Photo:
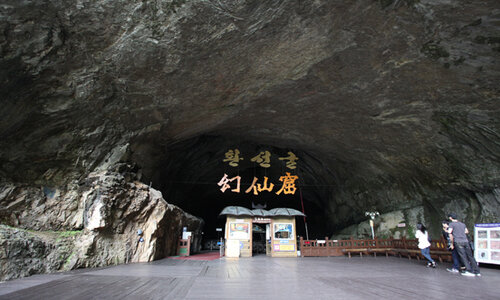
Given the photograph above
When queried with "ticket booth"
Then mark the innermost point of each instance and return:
(284, 238)
(245, 229)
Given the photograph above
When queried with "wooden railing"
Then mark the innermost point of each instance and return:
(398, 247)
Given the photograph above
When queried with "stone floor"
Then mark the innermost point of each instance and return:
(260, 277)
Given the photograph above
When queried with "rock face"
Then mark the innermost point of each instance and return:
(97, 228)
(390, 105)
(26, 253)
(396, 224)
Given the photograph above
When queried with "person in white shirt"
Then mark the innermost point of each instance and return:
(424, 245)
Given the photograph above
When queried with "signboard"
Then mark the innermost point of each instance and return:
(261, 220)
(218, 229)
(282, 247)
(487, 243)
(287, 185)
(283, 231)
(233, 248)
(401, 225)
(233, 157)
(239, 230)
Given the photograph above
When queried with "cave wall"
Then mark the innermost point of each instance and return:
(89, 225)
(392, 106)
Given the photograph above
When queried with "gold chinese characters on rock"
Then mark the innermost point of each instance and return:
(233, 158)
(287, 187)
(263, 159)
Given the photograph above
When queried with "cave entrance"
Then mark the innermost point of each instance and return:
(189, 175)
(261, 236)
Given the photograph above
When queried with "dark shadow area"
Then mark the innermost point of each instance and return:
(188, 173)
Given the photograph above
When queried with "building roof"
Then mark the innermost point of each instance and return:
(236, 211)
(275, 212)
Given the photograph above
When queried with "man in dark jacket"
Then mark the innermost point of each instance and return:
(458, 235)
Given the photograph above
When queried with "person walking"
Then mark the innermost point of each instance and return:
(424, 245)
(458, 234)
(454, 255)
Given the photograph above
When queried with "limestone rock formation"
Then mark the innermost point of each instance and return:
(97, 228)
(396, 224)
(390, 105)
(25, 253)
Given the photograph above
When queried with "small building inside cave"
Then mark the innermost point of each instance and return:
(244, 236)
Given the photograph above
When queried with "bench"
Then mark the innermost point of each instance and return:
(398, 252)
(356, 250)
(397, 247)
(368, 251)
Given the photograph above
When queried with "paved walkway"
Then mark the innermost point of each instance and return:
(201, 256)
(260, 277)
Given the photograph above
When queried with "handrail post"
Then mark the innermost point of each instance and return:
(301, 243)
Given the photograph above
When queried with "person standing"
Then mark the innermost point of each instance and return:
(458, 234)
(424, 245)
(454, 255)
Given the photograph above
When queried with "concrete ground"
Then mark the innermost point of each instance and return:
(260, 277)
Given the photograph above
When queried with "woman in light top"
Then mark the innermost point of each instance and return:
(424, 245)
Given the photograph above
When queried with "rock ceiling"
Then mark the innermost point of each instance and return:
(389, 104)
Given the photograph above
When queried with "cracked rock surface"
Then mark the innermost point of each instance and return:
(391, 105)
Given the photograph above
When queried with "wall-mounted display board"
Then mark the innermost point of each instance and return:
(284, 237)
(239, 230)
(487, 243)
(283, 231)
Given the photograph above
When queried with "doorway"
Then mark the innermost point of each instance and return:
(259, 239)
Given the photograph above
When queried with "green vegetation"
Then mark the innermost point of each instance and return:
(67, 261)
(57, 234)
(410, 232)
(68, 233)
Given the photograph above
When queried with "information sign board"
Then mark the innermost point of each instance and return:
(487, 243)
